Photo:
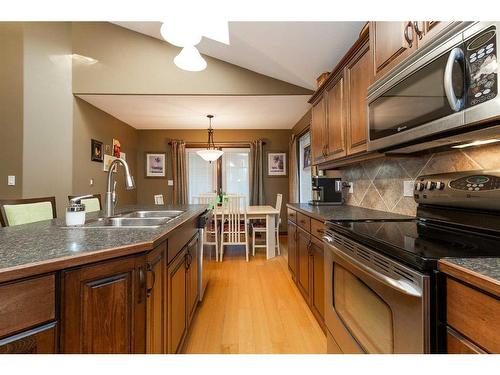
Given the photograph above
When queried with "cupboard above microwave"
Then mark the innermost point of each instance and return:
(444, 94)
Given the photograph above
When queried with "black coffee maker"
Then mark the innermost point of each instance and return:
(326, 191)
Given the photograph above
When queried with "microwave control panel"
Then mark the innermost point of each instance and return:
(481, 59)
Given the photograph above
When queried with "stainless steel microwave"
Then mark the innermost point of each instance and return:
(445, 93)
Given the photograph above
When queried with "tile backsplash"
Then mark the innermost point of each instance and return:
(378, 183)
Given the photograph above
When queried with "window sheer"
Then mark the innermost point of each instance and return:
(236, 172)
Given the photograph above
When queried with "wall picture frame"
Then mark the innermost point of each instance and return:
(276, 164)
(307, 156)
(108, 159)
(155, 164)
(96, 151)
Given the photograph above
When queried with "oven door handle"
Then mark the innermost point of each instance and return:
(456, 104)
(400, 285)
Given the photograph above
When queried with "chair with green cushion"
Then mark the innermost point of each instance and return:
(91, 204)
(24, 211)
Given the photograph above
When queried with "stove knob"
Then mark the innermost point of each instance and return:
(440, 185)
(431, 185)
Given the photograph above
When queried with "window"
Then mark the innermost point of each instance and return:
(236, 172)
(234, 167)
(305, 191)
(201, 175)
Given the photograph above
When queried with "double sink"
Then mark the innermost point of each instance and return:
(135, 219)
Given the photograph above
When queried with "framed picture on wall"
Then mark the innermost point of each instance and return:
(155, 165)
(96, 151)
(307, 156)
(276, 163)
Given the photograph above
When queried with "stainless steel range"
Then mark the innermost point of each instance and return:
(381, 283)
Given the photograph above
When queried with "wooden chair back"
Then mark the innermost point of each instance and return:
(4, 222)
(234, 218)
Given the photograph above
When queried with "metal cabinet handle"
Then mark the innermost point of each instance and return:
(309, 247)
(420, 33)
(407, 37)
(456, 104)
(150, 290)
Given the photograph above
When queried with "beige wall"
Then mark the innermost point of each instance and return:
(132, 63)
(378, 184)
(92, 123)
(11, 108)
(157, 140)
(48, 111)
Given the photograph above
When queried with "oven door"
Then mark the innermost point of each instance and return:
(373, 304)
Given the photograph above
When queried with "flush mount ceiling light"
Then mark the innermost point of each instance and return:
(211, 153)
(476, 143)
(190, 59)
(187, 33)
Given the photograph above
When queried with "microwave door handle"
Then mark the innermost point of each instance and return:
(456, 104)
(401, 286)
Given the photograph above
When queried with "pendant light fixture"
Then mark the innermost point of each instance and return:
(211, 153)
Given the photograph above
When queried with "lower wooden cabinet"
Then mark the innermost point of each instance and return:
(177, 319)
(305, 262)
(103, 307)
(40, 340)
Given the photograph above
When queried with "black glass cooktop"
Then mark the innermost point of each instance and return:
(419, 243)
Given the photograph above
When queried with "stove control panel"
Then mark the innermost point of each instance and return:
(471, 189)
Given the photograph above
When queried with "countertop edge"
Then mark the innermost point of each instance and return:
(305, 212)
(54, 265)
(471, 277)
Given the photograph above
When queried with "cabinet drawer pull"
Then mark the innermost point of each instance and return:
(407, 36)
(320, 231)
(142, 284)
(419, 32)
(150, 290)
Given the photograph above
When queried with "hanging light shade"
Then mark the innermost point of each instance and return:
(211, 153)
(190, 59)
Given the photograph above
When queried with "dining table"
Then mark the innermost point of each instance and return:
(264, 212)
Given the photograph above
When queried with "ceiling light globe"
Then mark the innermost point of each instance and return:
(190, 59)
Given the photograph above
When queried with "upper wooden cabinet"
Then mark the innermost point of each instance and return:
(392, 42)
(336, 119)
(339, 112)
(318, 132)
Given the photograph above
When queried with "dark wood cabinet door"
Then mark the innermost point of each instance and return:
(358, 78)
(103, 307)
(336, 119)
(303, 244)
(292, 249)
(318, 131)
(318, 280)
(155, 292)
(391, 43)
(176, 302)
(40, 340)
(192, 277)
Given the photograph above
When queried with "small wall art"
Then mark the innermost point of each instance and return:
(96, 151)
(155, 165)
(276, 163)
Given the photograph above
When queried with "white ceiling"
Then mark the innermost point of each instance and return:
(295, 52)
(189, 112)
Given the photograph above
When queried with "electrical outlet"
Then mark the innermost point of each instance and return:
(408, 187)
(91, 182)
(11, 180)
(351, 187)
(170, 182)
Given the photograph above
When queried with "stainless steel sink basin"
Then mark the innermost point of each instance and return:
(154, 214)
(128, 222)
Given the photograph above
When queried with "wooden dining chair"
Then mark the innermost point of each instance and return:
(234, 223)
(211, 235)
(28, 210)
(261, 227)
(93, 204)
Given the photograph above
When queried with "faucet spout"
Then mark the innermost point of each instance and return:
(110, 193)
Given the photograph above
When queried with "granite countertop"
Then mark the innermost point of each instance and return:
(481, 272)
(344, 212)
(47, 246)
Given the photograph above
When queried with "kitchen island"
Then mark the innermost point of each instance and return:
(99, 290)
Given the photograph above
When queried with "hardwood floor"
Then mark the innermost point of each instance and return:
(254, 307)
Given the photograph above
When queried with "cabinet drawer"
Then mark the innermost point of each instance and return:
(474, 314)
(304, 222)
(292, 215)
(317, 228)
(41, 340)
(182, 236)
(27, 303)
(457, 344)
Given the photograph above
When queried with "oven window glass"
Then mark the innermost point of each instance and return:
(418, 99)
(367, 317)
